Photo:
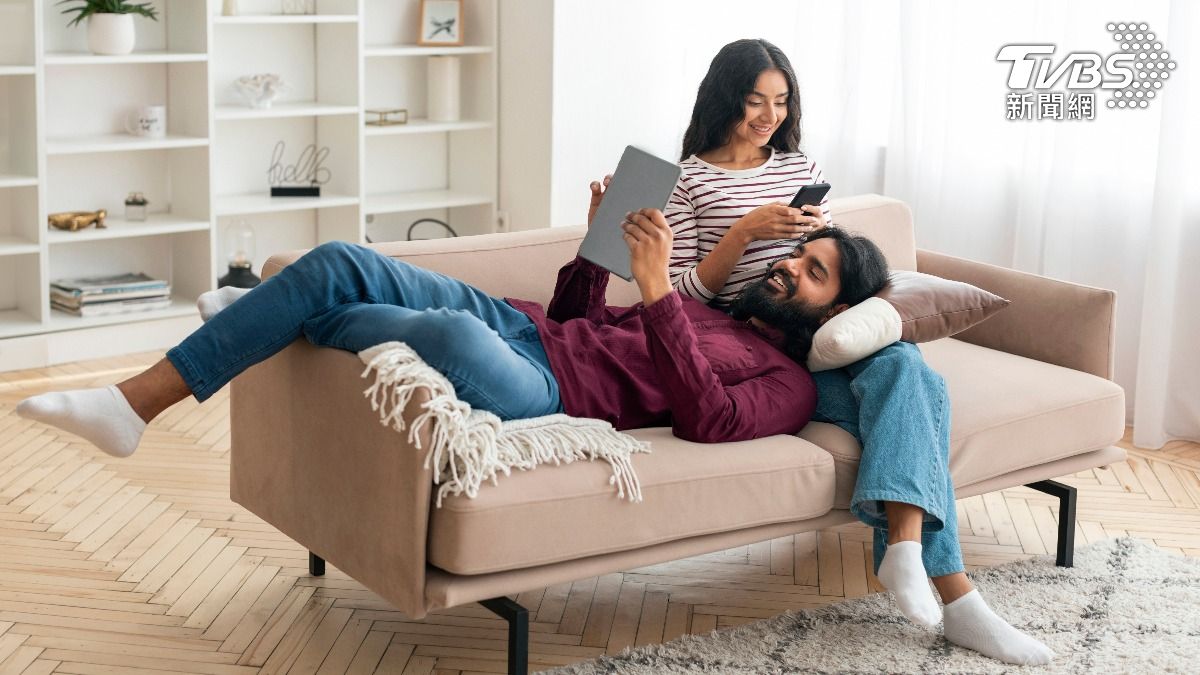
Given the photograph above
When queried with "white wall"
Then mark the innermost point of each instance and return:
(627, 71)
(579, 81)
(526, 75)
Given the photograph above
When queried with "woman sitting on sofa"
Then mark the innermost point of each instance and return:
(729, 213)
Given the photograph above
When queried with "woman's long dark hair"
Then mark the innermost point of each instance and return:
(721, 99)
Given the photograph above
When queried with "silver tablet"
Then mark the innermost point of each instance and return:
(641, 181)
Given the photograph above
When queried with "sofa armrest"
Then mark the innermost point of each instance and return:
(1059, 322)
(311, 458)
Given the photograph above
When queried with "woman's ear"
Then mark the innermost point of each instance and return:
(837, 309)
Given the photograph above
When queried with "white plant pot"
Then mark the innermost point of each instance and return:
(110, 34)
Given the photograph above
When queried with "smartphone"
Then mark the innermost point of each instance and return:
(810, 194)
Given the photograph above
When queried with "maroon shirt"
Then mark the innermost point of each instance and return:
(677, 362)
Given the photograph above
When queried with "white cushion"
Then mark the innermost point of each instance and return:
(854, 334)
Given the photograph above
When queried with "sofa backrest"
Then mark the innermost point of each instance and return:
(886, 221)
(525, 264)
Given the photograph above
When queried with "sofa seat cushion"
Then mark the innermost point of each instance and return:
(557, 513)
(1006, 413)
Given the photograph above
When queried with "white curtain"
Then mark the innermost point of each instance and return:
(907, 99)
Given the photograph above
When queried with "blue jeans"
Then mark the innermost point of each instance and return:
(898, 409)
(351, 297)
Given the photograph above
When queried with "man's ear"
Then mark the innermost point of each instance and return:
(837, 309)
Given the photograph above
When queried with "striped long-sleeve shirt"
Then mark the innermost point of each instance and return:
(707, 200)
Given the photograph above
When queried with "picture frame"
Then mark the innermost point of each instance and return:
(441, 23)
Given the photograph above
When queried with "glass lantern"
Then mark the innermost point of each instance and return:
(239, 253)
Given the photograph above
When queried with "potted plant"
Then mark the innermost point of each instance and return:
(110, 23)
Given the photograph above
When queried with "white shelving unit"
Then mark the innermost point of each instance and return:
(119, 228)
(24, 303)
(266, 19)
(420, 126)
(232, 205)
(429, 169)
(421, 50)
(87, 145)
(422, 200)
(288, 109)
(89, 161)
(17, 180)
(149, 56)
(63, 147)
(319, 58)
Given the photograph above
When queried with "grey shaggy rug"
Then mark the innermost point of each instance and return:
(1125, 607)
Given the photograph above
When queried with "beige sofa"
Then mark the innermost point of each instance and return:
(1031, 391)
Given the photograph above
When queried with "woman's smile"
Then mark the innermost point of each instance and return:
(763, 129)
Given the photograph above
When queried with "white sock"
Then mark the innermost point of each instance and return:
(972, 624)
(903, 573)
(212, 302)
(101, 415)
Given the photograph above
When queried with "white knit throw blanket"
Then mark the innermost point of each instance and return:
(471, 446)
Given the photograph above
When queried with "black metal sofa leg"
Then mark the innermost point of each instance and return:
(516, 616)
(1066, 517)
(518, 632)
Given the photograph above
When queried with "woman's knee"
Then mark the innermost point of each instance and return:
(900, 352)
(901, 361)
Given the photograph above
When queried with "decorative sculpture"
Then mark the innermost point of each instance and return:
(302, 179)
(260, 91)
(78, 220)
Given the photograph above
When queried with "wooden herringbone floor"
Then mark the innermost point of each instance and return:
(144, 565)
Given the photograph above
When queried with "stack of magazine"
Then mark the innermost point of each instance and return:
(116, 294)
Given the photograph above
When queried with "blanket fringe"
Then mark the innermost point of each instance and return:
(472, 446)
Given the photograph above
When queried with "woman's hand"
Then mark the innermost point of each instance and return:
(597, 195)
(814, 216)
(777, 220)
(649, 239)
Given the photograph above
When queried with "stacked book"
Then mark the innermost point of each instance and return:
(116, 294)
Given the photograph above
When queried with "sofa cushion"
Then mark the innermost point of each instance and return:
(1006, 412)
(913, 307)
(932, 308)
(557, 513)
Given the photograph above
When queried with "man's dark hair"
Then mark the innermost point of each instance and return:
(862, 272)
(721, 98)
(864, 269)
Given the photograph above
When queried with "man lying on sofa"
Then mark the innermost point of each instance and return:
(669, 360)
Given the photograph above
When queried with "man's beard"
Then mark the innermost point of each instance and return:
(798, 320)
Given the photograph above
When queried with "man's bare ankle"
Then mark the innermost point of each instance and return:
(897, 536)
(132, 396)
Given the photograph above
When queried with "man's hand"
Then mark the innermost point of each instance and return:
(598, 190)
(649, 239)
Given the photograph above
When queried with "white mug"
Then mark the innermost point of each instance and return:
(149, 121)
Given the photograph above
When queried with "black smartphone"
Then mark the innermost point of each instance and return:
(810, 194)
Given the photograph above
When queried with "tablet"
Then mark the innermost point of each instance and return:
(641, 181)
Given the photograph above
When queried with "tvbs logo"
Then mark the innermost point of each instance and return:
(1083, 69)
(1133, 74)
